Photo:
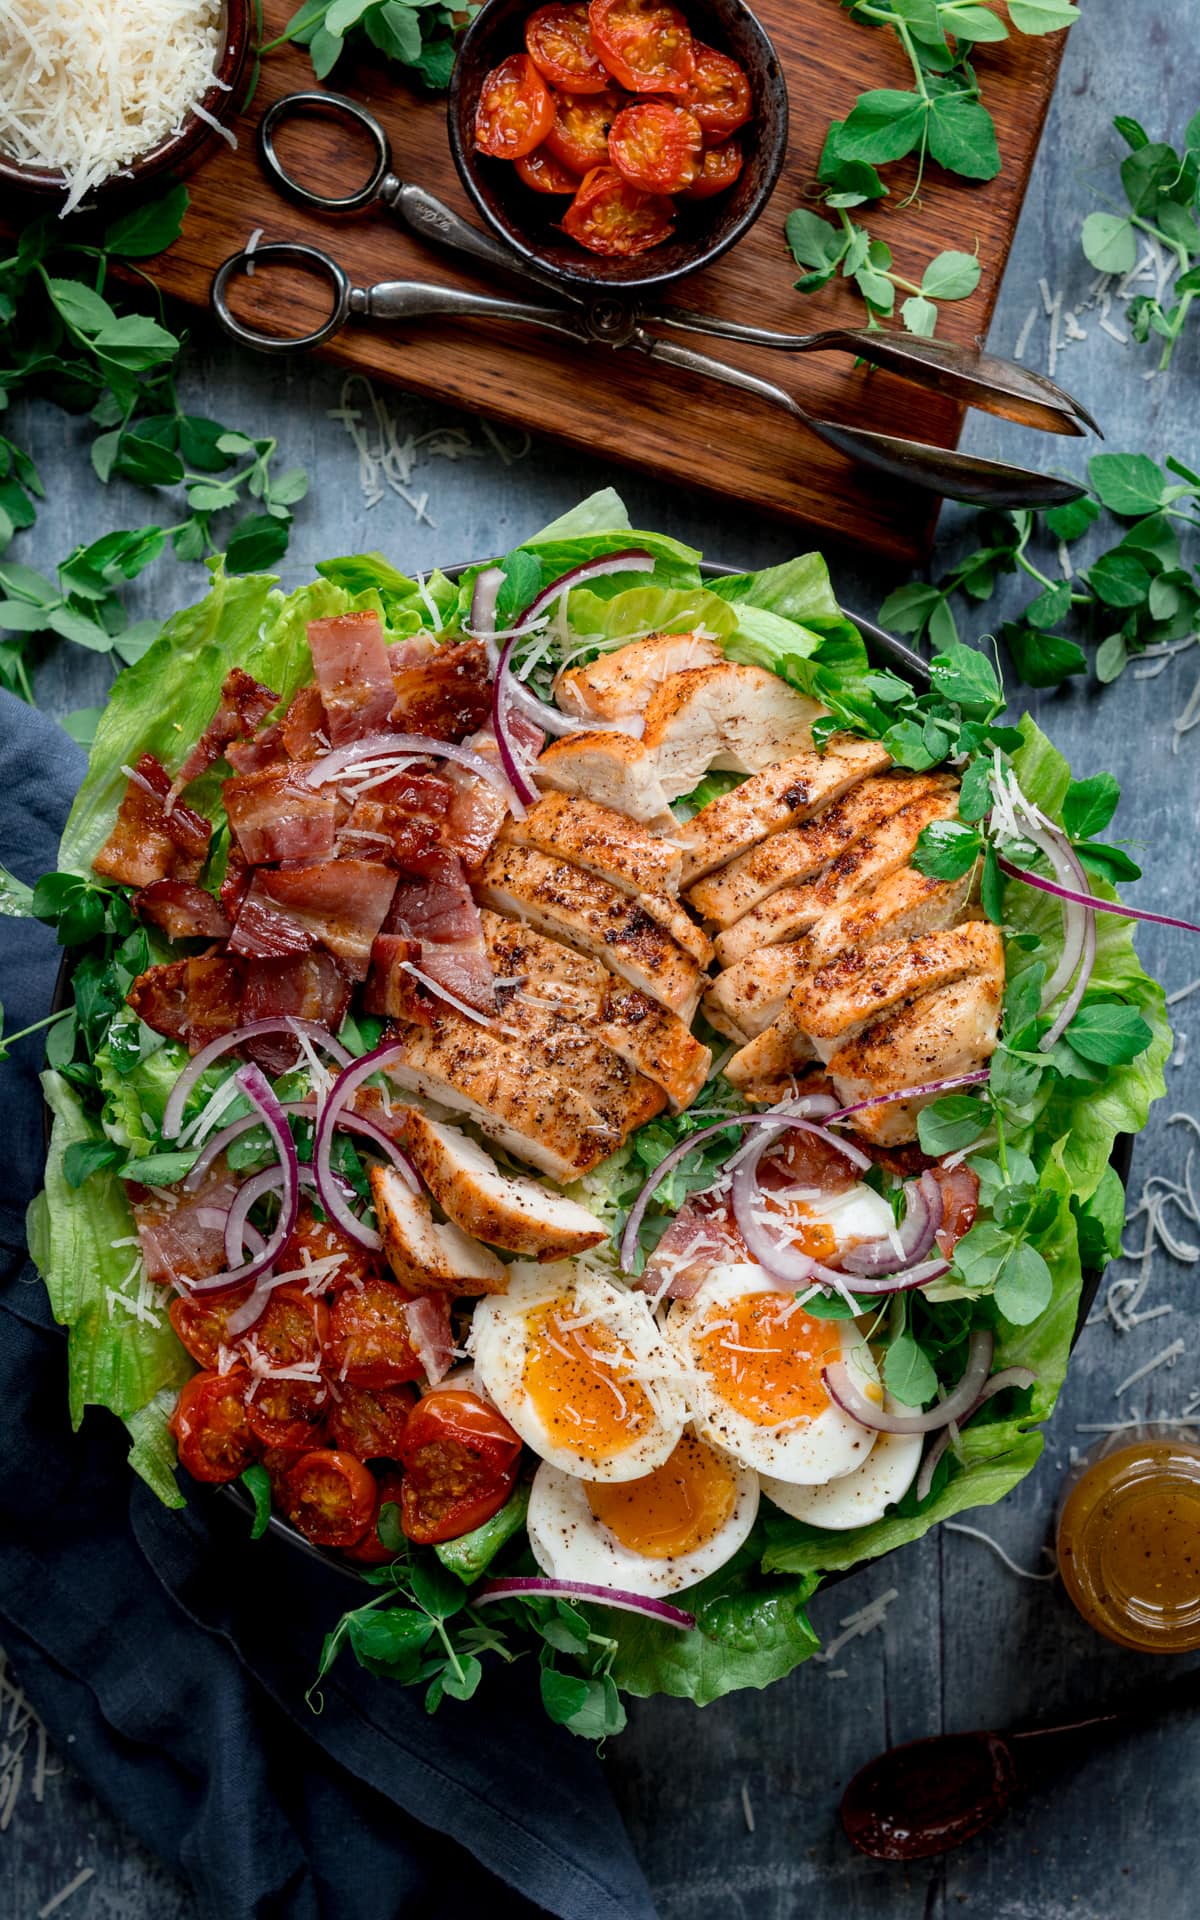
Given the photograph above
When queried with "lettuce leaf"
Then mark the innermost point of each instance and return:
(640, 610)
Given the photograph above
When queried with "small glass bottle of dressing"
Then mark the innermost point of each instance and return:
(1129, 1539)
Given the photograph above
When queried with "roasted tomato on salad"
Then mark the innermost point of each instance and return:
(579, 1107)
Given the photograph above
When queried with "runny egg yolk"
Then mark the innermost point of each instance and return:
(764, 1356)
(575, 1379)
(802, 1227)
(682, 1505)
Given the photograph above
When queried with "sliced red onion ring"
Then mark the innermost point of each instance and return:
(922, 1218)
(850, 1398)
(342, 1090)
(773, 1117)
(625, 560)
(378, 746)
(519, 777)
(1094, 900)
(1057, 849)
(779, 1257)
(286, 1023)
(270, 1180)
(925, 1092)
(541, 1589)
(1008, 1377)
(346, 1122)
(257, 1089)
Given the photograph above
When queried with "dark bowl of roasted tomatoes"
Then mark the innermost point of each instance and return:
(621, 143)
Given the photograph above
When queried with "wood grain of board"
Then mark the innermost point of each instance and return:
(675, 426)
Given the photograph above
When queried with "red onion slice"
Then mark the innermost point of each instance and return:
(529, 1588)
(625, 560)
(518, 775)
(342, 1090)
(1094, 900)
(378, 746)
(843, 1391)
(257, 1089)
(925, 1092)
(286, 1023)
(999, 1382)
(922, 1218)
(307, 1110)
(774, 1117)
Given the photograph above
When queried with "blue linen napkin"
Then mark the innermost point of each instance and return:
(177, 1652)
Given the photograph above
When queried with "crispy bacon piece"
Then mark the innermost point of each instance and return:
(403, 654)
(428, 795)
(308, 986)
(147, 843)
(354, 674)
(433, 905)
(266, 749)
(960, 1204)
(275, 816)
(183, 1237)
(243, 706)
(430, 1334)
(236, 884)
(192, 1000)
(446, 694)
(702, 1234)
(339, 904)
(183, 911)
(384, 832)
(389, 988)
(305, 726)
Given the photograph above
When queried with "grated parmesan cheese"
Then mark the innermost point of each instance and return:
(89, 85)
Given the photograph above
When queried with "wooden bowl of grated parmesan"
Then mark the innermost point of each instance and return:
(97, 96)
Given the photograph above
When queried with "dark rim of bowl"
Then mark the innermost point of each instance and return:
(591, 278)
(885, 650)
(176, 148)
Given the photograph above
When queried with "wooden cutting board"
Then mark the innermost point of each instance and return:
(678, 427)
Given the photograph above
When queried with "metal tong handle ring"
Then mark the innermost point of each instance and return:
(293, 253)
(336, 106)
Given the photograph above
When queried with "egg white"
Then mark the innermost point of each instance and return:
(501, 1340)
(857, 1214)
(856, 1499)
(570, 1543)
(807, 1452)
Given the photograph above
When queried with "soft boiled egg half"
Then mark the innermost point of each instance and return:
(754, 1361)
(579, 1368)
(856, 1499)
(654, 1535)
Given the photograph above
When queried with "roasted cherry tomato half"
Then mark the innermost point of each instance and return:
(515, 111)
(316, 1241)
(331, 1497)
(559, 42)
(541, 171)
(368, 1343)
(609, 216)
(460, 1463)
(578, 140)
(719, 94)
(212, 1431)
(656, 147)
(645, 45)
(719, 171)
(370, 1550)
(203, 1325)
(369, 1424)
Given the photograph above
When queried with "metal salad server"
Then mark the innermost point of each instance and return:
(967, 374)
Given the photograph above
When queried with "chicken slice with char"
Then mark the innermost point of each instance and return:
(649, 1038)
(737, 719)
(426, 1255)
(505, 1210)
(568, 904)
(622, 682)
(612, 769)
(903, 904)
(552, 1038)
(522, 1106)
(745, 998)
(796, 854)
(792, 911)
(935, 1037)
(610, 844)
(779, 797)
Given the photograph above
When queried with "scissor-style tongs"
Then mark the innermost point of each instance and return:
(966, 374)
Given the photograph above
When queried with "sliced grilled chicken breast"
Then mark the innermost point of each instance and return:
(745, 999)
(586, 912)
(619, 849)
(423, 1253)
(525, 1108)
(791, 911)
(856, 986)
(505, 1210)
(612, 769)
(551, 1037)
(739, 719)
(935, 1037)
(795, 855)
(903, 904)
(648, 1037)
(778, 797)
(623, 682)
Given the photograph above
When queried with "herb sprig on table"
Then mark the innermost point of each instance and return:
(1138, 592)
(941, 118)
(419, 35)
(66, 335)
(1162, 189)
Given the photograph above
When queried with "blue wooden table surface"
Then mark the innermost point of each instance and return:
(734, 1814)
